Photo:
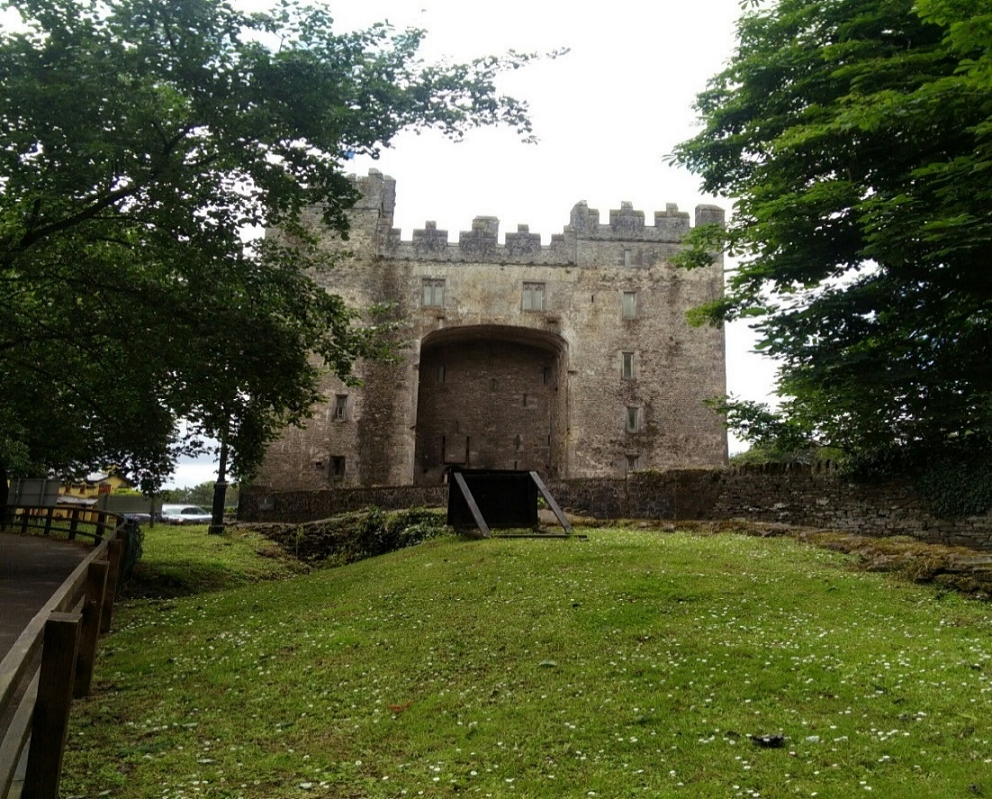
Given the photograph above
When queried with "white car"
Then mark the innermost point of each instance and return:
(185, 514)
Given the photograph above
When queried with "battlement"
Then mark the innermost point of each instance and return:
(378, 192)
(481, 242)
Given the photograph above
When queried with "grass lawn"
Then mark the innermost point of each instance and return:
(184, 559)
(635, 663)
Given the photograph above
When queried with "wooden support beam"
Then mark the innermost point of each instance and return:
(51, 711)
(472, 505)
(551, 502)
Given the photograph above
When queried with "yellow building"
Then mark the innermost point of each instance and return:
(94, 485)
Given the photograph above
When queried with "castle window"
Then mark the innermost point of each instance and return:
(547, 375)
(341, 408)
(633, 419)
(628, 366)
(626, 258)
(533, 297)
(433, 296)
(630, 305)
(439, 374)
(633, 463)
(337, 466)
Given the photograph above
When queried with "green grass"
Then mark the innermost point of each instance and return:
(183, 560)
(636, 663)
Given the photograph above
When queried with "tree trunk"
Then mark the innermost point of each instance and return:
(4, 495)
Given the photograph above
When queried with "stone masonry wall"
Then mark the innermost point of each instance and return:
(308, 506)
(485, 403)
(819, 498)
(794, 495)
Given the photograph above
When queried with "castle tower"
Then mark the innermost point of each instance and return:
(572, 358)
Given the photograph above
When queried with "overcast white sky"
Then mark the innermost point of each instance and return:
(606, 114)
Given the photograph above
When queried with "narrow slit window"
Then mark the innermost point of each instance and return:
(440, 373)
(626, 258)
(633, 419)
(633, 463)
(337, 466)
(628, 366)
(630, 305)
(341, 408)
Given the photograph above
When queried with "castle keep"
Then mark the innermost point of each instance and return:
(573, 358)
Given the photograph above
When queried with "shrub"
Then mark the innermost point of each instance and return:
(354, 536)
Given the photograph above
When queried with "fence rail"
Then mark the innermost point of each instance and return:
(71, 520)
(52, 662)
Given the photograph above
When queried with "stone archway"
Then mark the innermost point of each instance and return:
(491, 397)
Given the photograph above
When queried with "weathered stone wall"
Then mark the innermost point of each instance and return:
(586, 422)
(306, 506)
(797, 495)
(819, 498)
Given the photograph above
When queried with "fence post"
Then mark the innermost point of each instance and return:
(96, 584)
(101, 525)
(51, 710)
(73, 523)
(115, 553)
(49, 515)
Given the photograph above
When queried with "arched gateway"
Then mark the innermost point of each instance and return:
(491, 397)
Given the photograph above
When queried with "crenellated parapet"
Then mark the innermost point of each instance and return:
(626, 224)
(481, 244)
(478, 245)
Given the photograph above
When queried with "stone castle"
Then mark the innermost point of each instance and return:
(573, 359)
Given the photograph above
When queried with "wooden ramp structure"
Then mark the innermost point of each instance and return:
(500, 499)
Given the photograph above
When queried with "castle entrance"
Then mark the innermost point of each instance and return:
(491, 397)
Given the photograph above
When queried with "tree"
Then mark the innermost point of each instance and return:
(201, 494)
(856, 137)
(141, 139)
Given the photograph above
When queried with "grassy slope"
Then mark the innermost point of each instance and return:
(184, 560)
(634, 663)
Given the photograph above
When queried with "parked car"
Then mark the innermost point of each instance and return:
(140, 518)
(185, 514)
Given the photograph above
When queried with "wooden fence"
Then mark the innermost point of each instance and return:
(71, 521)
(52, 662)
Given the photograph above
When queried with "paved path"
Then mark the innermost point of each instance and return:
(31, 569)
